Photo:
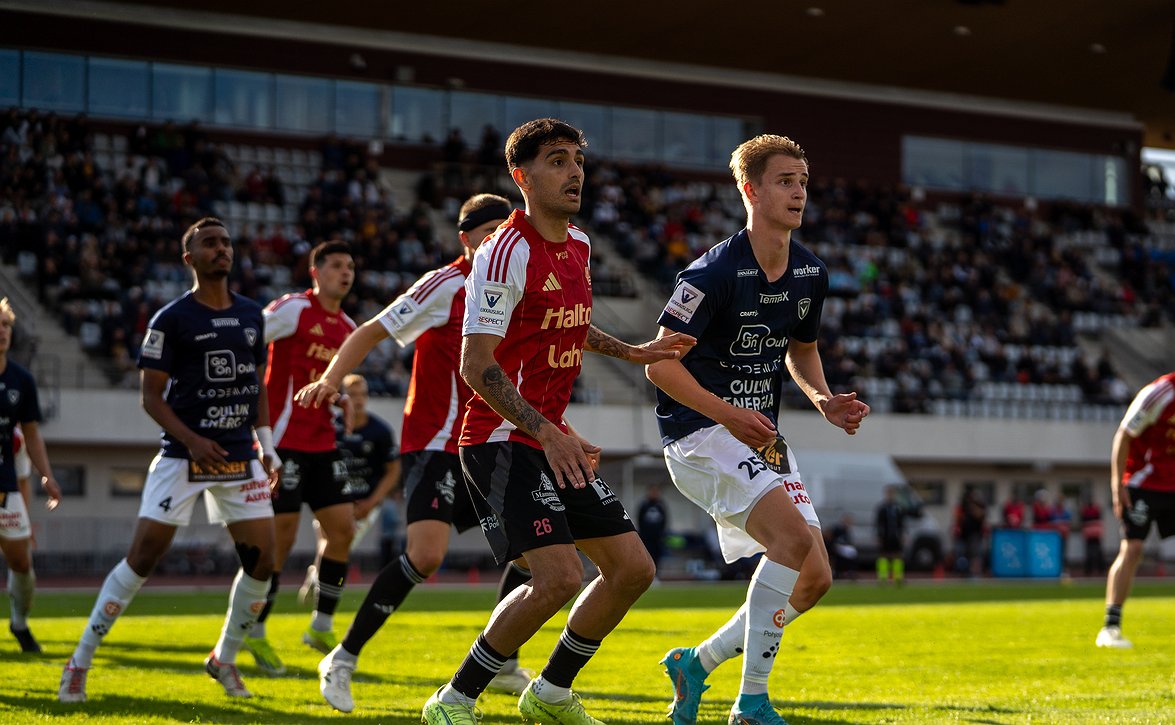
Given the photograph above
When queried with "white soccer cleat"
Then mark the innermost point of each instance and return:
(512, 681)
(227, 675)
(334, 681)
(1112, 637)
(73, 683)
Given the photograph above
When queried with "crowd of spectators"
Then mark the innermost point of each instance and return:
(929, 299)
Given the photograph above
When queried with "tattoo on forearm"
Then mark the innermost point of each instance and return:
(604, 344)
(506, 400)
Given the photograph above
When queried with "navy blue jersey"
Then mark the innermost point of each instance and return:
(212, 358)
(18, 404)
(366, 451)
(742, 323)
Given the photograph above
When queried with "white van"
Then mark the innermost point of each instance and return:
(854, 483)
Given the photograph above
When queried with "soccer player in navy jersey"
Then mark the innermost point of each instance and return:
(527, 324)
(19, 406)
(753, 302)
(202, 361)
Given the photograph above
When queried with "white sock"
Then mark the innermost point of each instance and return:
(120, 587)
(449, 696)
(258, 631)
(320, 622)
(767, 597)
(341, 655)
(20, 597)
(726, 643)
(245, 601)
(551, 694)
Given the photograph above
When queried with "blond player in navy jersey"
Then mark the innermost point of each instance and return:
(527, 324)
(753, 302)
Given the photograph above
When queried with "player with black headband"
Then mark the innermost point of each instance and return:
(430, 315)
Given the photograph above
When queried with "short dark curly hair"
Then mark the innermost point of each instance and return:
(524, 143)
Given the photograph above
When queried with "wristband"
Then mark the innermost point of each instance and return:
(264, 435)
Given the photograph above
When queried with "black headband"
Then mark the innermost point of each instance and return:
(475, 219)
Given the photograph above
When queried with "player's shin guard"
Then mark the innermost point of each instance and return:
(120, 587)
(20, 595)
(767, 598)
(332, 574)
(387, 593)
(245, 602)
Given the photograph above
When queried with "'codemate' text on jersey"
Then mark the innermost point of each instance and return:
(537, 296)
(1150, 420)
(742, 323)
(212, 358)
(303, 337)
(18, 404)
(430, 315)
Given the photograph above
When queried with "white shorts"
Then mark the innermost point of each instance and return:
(169, 495)
(726, 478)
(14, 517)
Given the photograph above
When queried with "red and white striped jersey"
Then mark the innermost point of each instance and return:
(1150, 425)
(430, 315)
(303, 337)
(537, 296)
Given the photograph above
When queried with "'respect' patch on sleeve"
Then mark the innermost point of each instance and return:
(153, 345)
(685, 301)
(491, 306)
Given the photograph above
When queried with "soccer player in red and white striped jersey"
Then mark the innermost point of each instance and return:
(1142, 482)
(304, 330)
(429, 314)
(527, 323)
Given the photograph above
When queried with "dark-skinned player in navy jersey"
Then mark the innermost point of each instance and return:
(19, 406)
(753, 302)
(202, 361)
(527, 324)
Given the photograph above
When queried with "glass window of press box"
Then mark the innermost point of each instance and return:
(250, 100)
(1015, 171)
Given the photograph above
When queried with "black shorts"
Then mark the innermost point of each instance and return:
(1146, 507)
(316, 479)
(435, 490)
(522, 508)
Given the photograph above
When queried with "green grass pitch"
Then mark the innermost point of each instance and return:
(929, 653)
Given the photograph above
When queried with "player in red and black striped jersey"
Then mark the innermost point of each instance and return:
(527, 323)
(304, 330)
(429, 314)
(1142, 482)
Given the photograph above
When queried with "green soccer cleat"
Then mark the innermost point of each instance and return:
(267, 660)
(688, 677)
(571, 712)
(442, 713)
(324, 642)
(754, 710)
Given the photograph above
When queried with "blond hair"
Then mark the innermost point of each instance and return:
(6, 311)
(352, 379)
(749, 160)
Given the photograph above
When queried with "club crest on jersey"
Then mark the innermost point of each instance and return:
(250, 336)
(546, 494)
(153, 344)
(685, 301)
(803, 306)
(13, 397)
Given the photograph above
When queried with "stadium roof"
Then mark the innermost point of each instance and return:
(1091, 54)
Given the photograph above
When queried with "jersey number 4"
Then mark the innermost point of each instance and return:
(165, 504)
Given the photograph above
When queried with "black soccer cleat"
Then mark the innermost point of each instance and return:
(28, 643)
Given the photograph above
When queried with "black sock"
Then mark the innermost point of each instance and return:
(1113, 615)
(387, 593)
(569, 657)
(513, 576)
(270, 598)
(479, 667)
(331, 576)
